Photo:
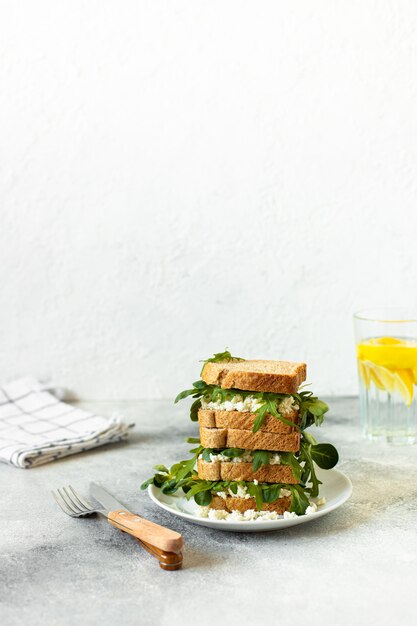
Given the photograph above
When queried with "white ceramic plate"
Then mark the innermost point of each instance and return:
(336, 488)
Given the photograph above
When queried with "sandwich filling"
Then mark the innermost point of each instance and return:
(248, 404)
(246, 456)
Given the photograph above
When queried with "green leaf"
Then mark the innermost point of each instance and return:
(221, 357)
(169, 487)
(159, 479)
(232, 453)
(310, 473)
(184, 394)
(199, 485)
(271, 493)
(206, 454)
(325, 455)
(309, 437)
(203, 498)
(318, 407)
(260, 417)
(299, 500)
(161, 468)
(288, 458)
(146, 484)
(193, 440)
(194, 408)
(260, 457)
(256, 492)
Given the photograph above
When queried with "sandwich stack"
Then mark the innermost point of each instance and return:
(255, 457)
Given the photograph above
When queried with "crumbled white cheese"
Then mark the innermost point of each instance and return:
(221, 494)
(275, 459)
(288, 515)
(249, 404)
(321, 501)
(242, 492)
(235, 516)
(255, 482)
(287, 406)
(284, 493)
(218, 457)
(251, 515)
(311, 509)
(217, 514)
(203, 511)
(247, 457)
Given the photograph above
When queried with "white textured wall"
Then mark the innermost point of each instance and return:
(181, 176)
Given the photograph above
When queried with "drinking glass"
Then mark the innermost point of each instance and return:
(386, 348)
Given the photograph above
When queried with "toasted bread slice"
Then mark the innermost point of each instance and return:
(246, 439)
(244, 504)
(272, 376)
(226, 470)
(244, 421)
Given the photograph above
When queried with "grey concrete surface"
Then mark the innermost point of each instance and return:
(357, 565)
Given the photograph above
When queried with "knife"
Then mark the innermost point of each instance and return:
(153, 537)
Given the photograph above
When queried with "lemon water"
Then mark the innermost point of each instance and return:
(387, 384)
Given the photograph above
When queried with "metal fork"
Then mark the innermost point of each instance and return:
(75, 505)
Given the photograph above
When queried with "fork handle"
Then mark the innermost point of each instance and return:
(149, 532)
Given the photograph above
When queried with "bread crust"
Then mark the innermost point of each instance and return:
(256, 375)
(244, 504)
(226, 470)
(210, 418)
(246, 439)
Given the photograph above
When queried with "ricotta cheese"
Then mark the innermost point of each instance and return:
(249, 404)
(247, 457)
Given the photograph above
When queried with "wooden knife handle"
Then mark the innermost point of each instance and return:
(167, 560)
(149, 532)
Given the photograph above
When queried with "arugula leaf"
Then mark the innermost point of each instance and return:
(299, 500)
(260, 417)
(219, 357)
(270, 493)
(256, 492)
(260, 457)
(288, 458)
(206, 454)
(325, 455)
(196, 405)
(184, 394)
(193, 440)
(309, 470)
(231, 453)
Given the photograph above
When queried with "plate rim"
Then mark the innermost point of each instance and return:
(266, 525)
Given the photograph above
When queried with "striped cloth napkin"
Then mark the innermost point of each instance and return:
(37, 427)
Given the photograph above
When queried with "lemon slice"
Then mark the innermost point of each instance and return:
(405, 385)
(393, 381)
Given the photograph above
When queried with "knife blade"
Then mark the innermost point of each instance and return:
(119, 516)
(106, 501)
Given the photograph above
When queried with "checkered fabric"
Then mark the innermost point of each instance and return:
(37, 427)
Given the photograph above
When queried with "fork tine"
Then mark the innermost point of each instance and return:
(73, 502)
(61, 503)
(68, 501)
(81, 501)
